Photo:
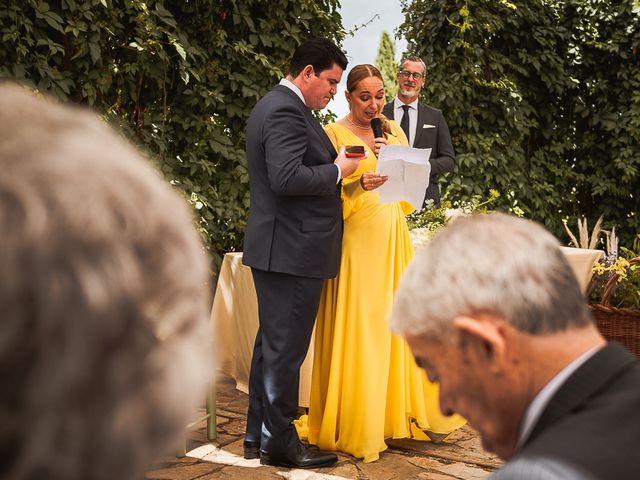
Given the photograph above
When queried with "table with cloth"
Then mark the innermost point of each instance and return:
(235, 316)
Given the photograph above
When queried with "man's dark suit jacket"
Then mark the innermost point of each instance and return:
(591, 426)
(435, 136)
(295, 214)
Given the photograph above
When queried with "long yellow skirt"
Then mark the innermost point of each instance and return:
(366, 386)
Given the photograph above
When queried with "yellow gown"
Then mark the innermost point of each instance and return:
(366, 385)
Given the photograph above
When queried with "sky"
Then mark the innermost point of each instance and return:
(363, 46)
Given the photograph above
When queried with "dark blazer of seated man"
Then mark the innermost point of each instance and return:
(514, 348)
(424, 126)
(589, 428)
(292, 242)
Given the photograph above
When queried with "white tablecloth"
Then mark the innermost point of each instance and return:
(235, 317)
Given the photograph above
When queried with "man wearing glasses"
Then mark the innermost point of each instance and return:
(424, 126)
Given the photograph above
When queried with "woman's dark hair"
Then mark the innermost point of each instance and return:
(320, 53)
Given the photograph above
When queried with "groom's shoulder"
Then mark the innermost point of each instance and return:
(278, 99)
(277, 103)
(280, 94)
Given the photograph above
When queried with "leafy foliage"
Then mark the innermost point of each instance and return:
(179, 77)
(386, 63)
(542, 99)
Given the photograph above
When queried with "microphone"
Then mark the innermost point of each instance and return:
(376, 126)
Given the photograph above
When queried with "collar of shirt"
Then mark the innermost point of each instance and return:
(537, 406)
(286, 83)
(397, 104)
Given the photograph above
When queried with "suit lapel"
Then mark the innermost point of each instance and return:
(422, 119)
(311, 120)
(388, 110)
(586, 381)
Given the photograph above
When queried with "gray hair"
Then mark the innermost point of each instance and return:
(414, 58)
(494, 264)
(104, 299)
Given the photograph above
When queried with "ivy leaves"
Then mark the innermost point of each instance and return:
(541, 99)
(179, 78)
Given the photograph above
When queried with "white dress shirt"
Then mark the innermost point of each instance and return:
(291, 86)
(398, 112)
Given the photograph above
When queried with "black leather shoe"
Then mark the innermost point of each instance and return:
(302, 457)
(251, 449)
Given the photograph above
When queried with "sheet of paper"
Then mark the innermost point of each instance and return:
(408, 170)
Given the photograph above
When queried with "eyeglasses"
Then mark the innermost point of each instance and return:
(414, 75)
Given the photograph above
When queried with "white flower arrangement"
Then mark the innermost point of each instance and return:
(426, 223)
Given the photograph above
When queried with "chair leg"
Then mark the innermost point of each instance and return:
(182, 452)
(211, 413)
(210, 417)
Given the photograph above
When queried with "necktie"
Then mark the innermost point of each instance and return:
(404, 123)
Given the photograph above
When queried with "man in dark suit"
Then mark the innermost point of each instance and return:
(292, 242)
(424, 126)
(508, 335)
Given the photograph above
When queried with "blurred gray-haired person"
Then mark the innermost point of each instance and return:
(103, 297)
(493, 312)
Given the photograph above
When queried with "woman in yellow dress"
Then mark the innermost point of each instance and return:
(366, 385)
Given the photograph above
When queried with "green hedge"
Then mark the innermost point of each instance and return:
(543, 102)
(541, 97)
(179, 78)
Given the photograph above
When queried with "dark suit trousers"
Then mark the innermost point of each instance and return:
(287, 308)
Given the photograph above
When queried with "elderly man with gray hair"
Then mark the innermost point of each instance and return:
(493, 312)
(104, 299)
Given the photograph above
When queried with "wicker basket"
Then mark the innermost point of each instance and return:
(618, 324)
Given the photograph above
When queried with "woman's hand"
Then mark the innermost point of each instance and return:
(372, 180)
(379, 143)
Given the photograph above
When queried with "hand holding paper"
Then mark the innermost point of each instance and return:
(408, 170)
(372, 180)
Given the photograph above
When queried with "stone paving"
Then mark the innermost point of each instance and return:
(459, 457)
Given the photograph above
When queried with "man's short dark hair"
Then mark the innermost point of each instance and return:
(320, 53)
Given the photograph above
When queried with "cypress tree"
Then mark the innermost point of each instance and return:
(386, 63)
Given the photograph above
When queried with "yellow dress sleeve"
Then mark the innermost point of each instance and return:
(352, 191)
(398, 137)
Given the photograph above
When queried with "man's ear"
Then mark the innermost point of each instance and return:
(307, 72)
(485, 333)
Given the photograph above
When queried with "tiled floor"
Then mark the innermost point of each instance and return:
(460, 457)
